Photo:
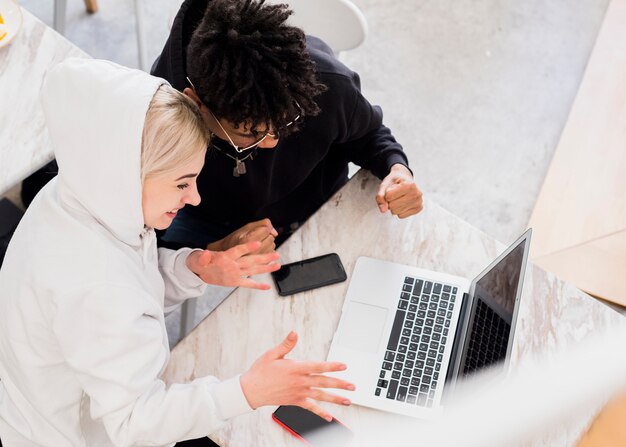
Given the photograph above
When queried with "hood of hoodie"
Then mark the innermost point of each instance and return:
(95, 112)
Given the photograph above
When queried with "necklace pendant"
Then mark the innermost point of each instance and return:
(239, 169)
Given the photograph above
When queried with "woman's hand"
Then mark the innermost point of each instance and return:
(261, 230)
(232, 267)
(275, 380)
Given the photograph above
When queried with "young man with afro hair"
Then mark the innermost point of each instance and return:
(286, 118)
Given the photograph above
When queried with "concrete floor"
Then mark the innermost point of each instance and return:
(477, 91)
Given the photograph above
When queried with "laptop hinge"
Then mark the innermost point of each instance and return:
(457, 344)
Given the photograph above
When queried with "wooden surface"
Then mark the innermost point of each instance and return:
(553, 314)
(91, 6)
(579, 219)
(609, 428)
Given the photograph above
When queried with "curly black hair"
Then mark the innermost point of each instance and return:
(249, 67)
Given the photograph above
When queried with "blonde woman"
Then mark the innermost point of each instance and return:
(84, 288)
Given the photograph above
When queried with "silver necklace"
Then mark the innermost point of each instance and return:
(240, 165)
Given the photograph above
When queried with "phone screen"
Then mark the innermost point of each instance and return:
(312, 428)
(309, 274)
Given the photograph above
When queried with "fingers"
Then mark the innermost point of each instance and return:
(266, 233)
(410, 212)
(321, 381)
(266, 236)
(313, 408)
(284, 347)
(256, 264)
(383, 206)
(398, 190)
(258, 234)
(267, 245)
(316, 379)
(405, 199)
(260, 269)
(403, 206)
(406, 211)
(406, 206)
(254, 260)
(268, 223)
(261, 230)
(243, 249)
(263, 224)
(323, 396)
(257, 230)
(321, 367)
(251, 284)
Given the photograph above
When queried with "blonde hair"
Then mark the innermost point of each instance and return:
(173, 133)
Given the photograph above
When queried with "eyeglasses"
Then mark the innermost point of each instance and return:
(275, 135)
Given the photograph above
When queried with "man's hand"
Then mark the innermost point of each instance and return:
(231, 268)
(261, 230)
(275, 380)
(399, 194)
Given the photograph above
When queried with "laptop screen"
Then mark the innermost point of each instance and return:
(496, 292)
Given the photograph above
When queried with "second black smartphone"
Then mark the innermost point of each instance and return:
(311, 428)
(309, 274)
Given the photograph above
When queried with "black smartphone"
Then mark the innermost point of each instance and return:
(309, 274)
(311, 428)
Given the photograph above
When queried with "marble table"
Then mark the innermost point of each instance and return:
(553, 314)
(24, 142)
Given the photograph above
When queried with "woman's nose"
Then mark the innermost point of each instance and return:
(193, 198)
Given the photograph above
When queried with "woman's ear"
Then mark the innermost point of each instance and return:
(192, 94)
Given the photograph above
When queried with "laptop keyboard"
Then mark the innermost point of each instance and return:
(490, 347)
(412, 364)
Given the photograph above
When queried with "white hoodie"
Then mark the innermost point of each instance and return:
(83, 290)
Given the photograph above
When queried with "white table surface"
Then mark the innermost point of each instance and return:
(553, 314)
(24, 142)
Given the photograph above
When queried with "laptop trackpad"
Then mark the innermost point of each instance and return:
(363, 326)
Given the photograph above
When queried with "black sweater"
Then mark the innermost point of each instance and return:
(290, 182)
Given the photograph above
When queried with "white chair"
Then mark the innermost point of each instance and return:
(339, 23)
(60, 10)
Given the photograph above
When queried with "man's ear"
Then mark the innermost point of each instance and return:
(192, 94)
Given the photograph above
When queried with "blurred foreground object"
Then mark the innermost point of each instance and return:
(541, 396)
(10, 21)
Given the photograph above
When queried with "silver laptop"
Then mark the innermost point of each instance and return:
(407, 334)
